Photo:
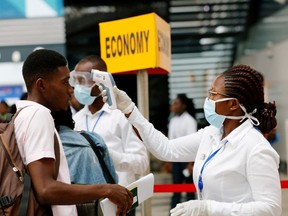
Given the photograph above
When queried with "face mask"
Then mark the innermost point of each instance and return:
(217, 120)
(82, 94)
(210, 114)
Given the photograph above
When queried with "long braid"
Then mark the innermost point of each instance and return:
(246, 84)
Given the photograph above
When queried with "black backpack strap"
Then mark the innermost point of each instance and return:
(109, 178)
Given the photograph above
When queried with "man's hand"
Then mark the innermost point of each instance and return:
(121, 197)
(124, 102)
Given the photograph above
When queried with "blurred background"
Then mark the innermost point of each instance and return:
(207, 37)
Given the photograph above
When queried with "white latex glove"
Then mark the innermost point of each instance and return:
(191, 208)
(124, 102)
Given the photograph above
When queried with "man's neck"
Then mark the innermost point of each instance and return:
(179, 113)
(96, 105)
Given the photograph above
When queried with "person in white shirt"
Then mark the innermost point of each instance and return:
(126, 149)
(46, 77)
(181, 124)
(236, 169)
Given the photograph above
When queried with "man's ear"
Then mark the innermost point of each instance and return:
(41, 85)
(234, 104)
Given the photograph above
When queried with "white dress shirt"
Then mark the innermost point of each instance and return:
(181, 125)
(241, 179)
(126, 149)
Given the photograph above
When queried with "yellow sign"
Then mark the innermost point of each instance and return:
(137, 43)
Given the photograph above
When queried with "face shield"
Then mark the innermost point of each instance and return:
(81, 78)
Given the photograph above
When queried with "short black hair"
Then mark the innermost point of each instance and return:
(41, 63)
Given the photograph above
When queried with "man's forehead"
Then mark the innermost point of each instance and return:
(83, 67)
(60, 73)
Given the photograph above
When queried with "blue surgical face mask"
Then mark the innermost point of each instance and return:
(83, 94)
(210, 113)
(217, 120)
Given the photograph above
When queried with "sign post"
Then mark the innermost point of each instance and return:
(139, 45)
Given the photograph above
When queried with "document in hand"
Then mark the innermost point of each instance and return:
(142, 189)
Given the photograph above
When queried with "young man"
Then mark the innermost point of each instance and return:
(46, 77)
(126, 149)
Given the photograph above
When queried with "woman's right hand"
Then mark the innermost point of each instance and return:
(124, 102)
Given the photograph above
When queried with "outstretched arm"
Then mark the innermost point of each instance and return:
(52, 192)
(178, 150)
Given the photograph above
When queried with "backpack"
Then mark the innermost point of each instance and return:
(12, 176)
(12, 170)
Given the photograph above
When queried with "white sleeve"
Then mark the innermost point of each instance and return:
(182, 149)
(134, 156)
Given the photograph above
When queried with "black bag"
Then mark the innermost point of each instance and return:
(93, 208)
(89, 209)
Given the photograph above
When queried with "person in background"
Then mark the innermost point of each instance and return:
(4, 108)
(46, 77)
(126, 149)
(235, 167)
(12, 109)
(84, 165)
(181, 124)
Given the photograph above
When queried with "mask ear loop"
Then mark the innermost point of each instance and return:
(250, 116)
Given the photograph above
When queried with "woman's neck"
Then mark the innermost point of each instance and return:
(229, 125)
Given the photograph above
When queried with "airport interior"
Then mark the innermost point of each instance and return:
(206, 37)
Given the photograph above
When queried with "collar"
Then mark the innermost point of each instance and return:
(215, 135)
(104, 108)
(64, 128)
(234, 137)
(238, 133)
(24, 103)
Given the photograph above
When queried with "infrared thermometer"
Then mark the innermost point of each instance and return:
(105, 79)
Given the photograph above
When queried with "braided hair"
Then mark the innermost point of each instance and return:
(246, 84)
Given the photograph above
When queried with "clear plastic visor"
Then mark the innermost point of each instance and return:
(81, 78)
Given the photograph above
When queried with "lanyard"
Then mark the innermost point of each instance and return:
(87, 127)
(200, 182)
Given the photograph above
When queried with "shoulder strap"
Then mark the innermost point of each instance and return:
(57, 155)
(105, 169)
(6, 149)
